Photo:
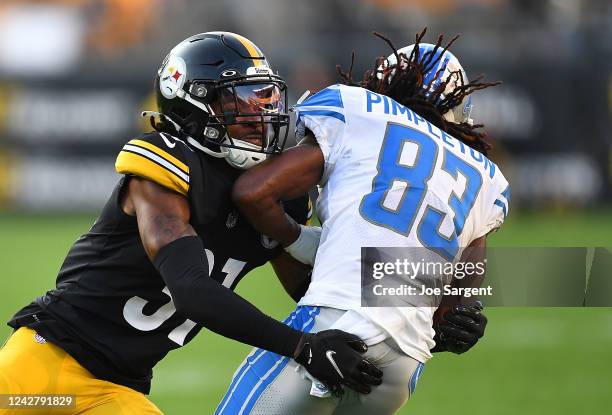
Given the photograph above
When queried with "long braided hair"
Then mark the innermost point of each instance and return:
(404, 80)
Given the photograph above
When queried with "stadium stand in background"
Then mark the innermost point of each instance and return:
(74, 75)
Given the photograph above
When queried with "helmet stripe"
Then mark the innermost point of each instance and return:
(251, 49)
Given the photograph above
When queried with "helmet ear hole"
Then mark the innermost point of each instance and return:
(195, 122)
(191, 128)
(179, 112)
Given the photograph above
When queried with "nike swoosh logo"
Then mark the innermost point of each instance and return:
(330, 356)
(168, 142)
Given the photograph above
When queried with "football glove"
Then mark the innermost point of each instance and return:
(461, 329)
(304, 249)
(334, 357)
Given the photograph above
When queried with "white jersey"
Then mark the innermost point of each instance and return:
(391, 179)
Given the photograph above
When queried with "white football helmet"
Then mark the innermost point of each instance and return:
(447, 68)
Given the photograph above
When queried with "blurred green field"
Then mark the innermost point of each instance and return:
(532, 361)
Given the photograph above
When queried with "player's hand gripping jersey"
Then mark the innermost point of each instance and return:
(111, 309)
(392, 179)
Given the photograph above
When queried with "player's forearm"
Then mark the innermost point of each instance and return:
(258, 191)
(265, 212)
(474, 255)
(293, 275)
(184, 268)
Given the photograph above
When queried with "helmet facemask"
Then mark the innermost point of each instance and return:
(247, 117)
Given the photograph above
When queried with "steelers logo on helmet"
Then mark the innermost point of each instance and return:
(172, 76)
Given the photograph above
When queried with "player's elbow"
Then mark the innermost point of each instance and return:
(153, 243)
(184, 301)
(181, 304)
(197, 300)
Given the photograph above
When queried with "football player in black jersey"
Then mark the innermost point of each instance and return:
(169, 246)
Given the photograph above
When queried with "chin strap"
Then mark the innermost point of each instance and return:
(244, 159)
(218, 154)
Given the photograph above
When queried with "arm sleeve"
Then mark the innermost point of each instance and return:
(323, 114)
(183, 266)
(157, 157)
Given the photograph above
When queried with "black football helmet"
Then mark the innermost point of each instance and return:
(218, 92)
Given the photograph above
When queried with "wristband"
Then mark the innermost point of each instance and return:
(304, 249)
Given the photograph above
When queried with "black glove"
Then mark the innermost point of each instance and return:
(335, 358)
(461, 329)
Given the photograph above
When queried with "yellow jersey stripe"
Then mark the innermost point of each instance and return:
(157, 159)
(161, 153)
(251, 48)
(136, 164)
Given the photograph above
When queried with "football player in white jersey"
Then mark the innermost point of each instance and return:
(399, 164)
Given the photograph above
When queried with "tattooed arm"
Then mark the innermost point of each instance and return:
(163, 215)
(178, 255)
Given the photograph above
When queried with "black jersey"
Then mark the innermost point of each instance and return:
(110, 309)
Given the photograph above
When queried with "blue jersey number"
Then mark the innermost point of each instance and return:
(414, 177)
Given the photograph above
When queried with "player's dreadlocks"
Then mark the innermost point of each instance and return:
(403, 82)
